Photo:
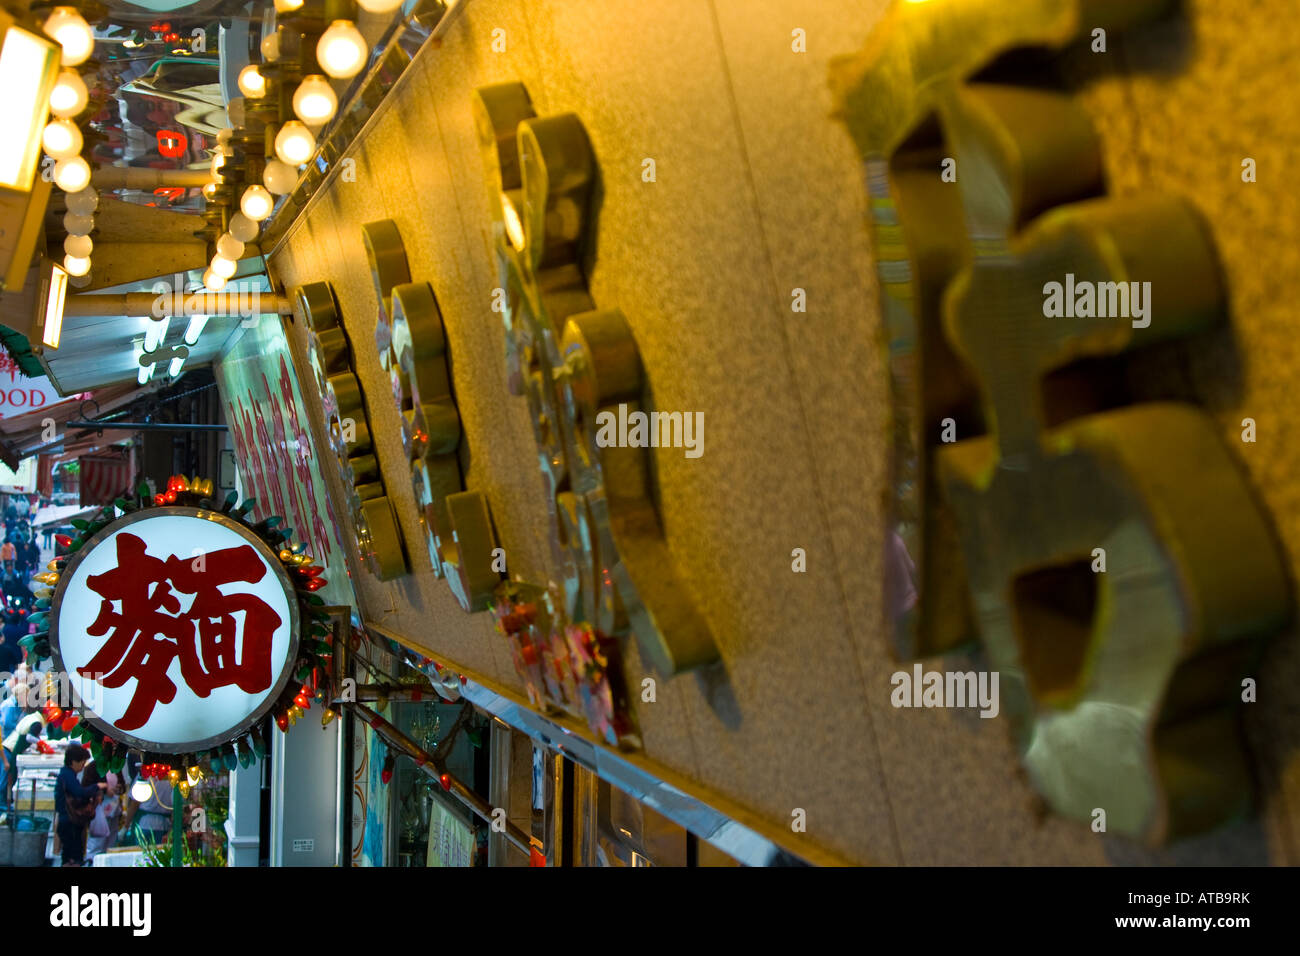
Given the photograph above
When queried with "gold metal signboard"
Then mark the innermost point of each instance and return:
(1108, 555)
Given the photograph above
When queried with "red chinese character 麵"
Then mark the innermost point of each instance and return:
(149, 631)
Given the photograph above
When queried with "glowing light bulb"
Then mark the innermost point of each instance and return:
(70, 30)
(84, 202)
(251, 82)
(341, 50)
(79, 246)
(72, 174)
(243, 228)
(61, 139)
(223, 267)
(213, 281)
(76, 265)
(256, 203)
(294, 144)
(174, 368)
(77, 225)
(142, 790)
(280, 178)
(271, 47)
(218, 160)
(69, 96)
(314, 101)
(229, 247)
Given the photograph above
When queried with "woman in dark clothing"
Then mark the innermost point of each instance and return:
(72, 832)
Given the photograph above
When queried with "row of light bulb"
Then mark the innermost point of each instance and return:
(342, 52)
(230, 246)
(79, 222)
(62, 139)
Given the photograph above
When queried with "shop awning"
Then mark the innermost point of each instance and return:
(59, 514)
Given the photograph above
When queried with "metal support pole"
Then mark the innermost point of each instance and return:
(499, 786)
(390, 692)
(434, 767)
(142, 426)
(120, 177)
(196, 303)
(178, 819)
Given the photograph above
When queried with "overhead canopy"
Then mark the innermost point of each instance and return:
(99, 350)
(59, 514)
(20, 435)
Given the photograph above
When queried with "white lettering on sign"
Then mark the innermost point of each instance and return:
(20, 394)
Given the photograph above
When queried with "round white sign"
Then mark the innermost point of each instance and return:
(177, 629)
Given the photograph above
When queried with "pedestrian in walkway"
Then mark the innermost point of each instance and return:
(74, 805)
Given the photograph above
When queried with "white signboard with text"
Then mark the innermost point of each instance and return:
(177, 628)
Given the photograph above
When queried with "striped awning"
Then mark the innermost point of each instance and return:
(105, 477)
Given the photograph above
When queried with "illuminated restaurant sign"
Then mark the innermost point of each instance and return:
(179, 626)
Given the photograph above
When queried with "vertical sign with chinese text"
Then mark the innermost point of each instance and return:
(277, 459)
